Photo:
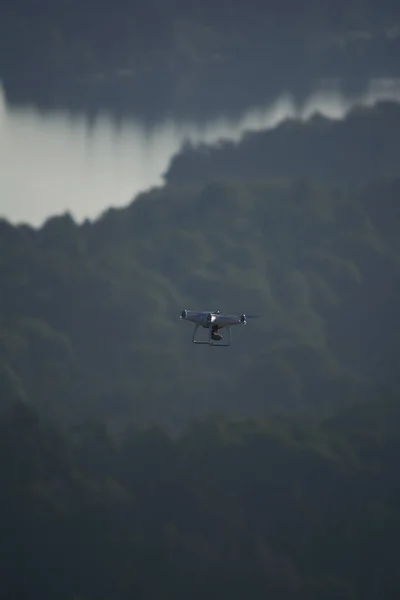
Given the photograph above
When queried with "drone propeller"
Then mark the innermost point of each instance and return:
(244, 317)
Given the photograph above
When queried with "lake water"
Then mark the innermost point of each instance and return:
(55, 162)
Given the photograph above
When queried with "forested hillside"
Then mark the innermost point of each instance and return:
(282, 509)
(136, 465)
(187, 56)
(90, 314)
(354, 150)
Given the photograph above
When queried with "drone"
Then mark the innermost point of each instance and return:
(213, 321)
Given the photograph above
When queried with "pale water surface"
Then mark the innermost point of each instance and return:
(53, 162)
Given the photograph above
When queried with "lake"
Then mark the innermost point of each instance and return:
(55, 162)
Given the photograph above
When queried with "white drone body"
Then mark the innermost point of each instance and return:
(213, 321)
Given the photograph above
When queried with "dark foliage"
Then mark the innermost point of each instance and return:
(354, 150)
(229, 509)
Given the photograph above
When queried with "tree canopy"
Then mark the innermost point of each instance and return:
(279, 507)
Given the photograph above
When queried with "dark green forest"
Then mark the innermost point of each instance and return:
(190, 57)
(349, 151)
(137, 465)
(280, 508)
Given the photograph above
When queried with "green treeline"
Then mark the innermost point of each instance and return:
(354, 150)
(279, 508)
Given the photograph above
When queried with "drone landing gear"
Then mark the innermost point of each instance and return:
(214, 338)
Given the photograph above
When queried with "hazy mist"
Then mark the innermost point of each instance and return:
(55, 162)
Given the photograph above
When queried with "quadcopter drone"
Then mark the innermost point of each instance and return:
(213, 321)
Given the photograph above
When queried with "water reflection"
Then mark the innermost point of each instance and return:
(53, 162)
